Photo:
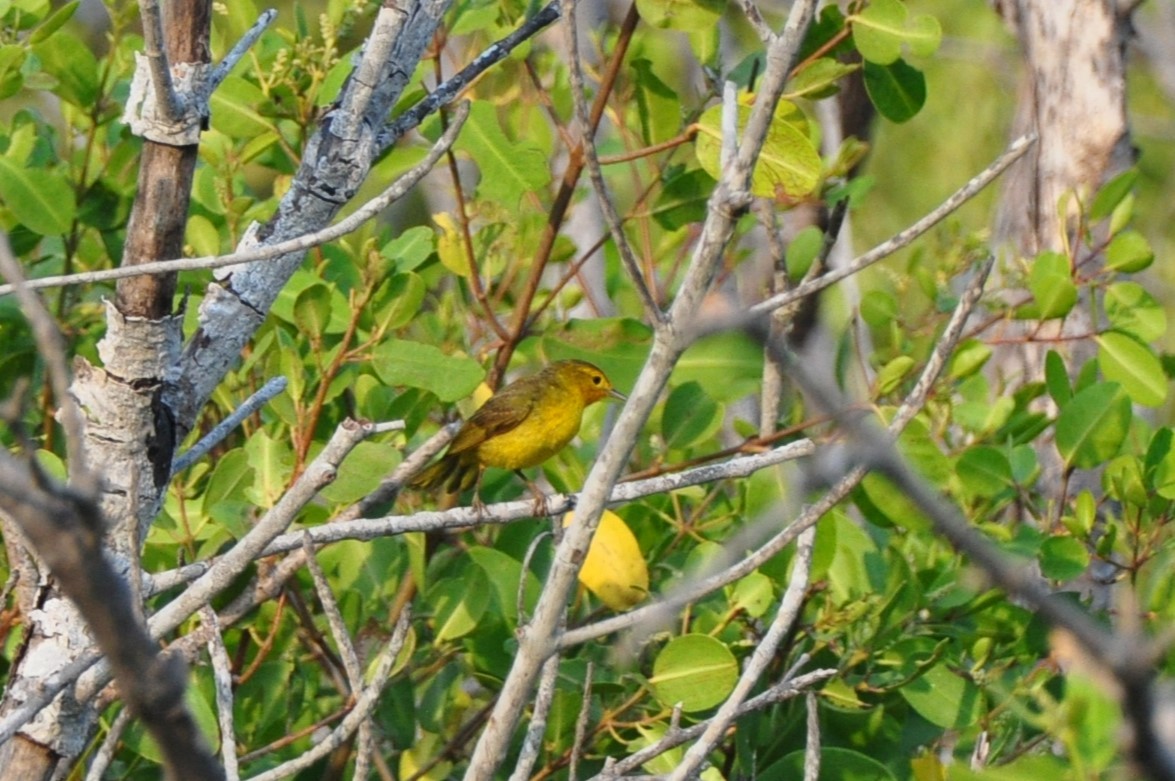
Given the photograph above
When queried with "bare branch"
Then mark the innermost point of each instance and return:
(448, 90)
(676, 736)
(221, 71)
(812, 747)
(222, 676)
(653, 313)
(105, 754)
(751, 12)
(66, 529)
(763, 655)
(226, 426)
(533, 743)
(165, 93)
(1014, 152)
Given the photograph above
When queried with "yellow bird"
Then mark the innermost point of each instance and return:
(520, 426)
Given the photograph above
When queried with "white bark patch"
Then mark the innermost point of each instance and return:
(147, 119)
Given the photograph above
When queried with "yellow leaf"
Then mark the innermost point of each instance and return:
(614, 568)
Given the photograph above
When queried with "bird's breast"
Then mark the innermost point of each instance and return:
(544, 432)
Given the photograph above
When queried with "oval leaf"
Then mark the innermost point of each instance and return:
(694, 670)
(1093, 425)
(448, 377)
(789, 164)
(1125, 360)
(690, 416)
(41, 200)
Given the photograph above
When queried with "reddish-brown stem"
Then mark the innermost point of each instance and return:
(648, 151)
(475, 285)
(575, 166)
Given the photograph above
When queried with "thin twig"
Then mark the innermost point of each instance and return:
(653, 313)
(226, 426)
(153, 46)
(581, 721)
(222, 70)
(533, 742)
(222, 677)
(448, 91)
(51, 348)
(356, 220)
(674, 737)
(763, 655)
(1014, 152)
(812, 743)
(105, 754)
(365, 703)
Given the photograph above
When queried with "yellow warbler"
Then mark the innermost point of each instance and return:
(614, 569)
(520, 426)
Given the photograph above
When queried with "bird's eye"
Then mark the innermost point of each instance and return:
(596, 379)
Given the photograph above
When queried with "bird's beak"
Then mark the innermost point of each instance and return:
(617, 395)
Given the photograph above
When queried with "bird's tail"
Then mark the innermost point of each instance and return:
(451, 474)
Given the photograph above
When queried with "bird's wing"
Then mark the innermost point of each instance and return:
(503, 412)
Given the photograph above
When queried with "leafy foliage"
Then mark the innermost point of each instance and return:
(405, 318)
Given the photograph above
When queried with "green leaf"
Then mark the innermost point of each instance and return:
(879, 308)
(55, 22)
(818, 79)
(969, 358)
(690, 416)
(727, 366)
(1056, 378)
(448, 377)
(985, 472)
(1125, 360)
(898, 90)
(802, 250)
(1160, 463)
(312, 310)
(411, 248)
(68, 59)
(398, 300)
(1129, 252)
(1093, 425)
(12, 59)
(1131, 309)
(1033, 766)
(459, 603)
(1063, 558)
(657, 105)
(836, 764)
(1112, 193)
(789, 165)
(40, 200)
(503, 573)
(202, 234)
(696, 670)
(944, 698)
(684, 15)
(892, 374)
(884, 25)
(509, 169)
(755, 594)
(683, 198)
(362, 471)
(237, 107)
(272, 462)
(1051, 283)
